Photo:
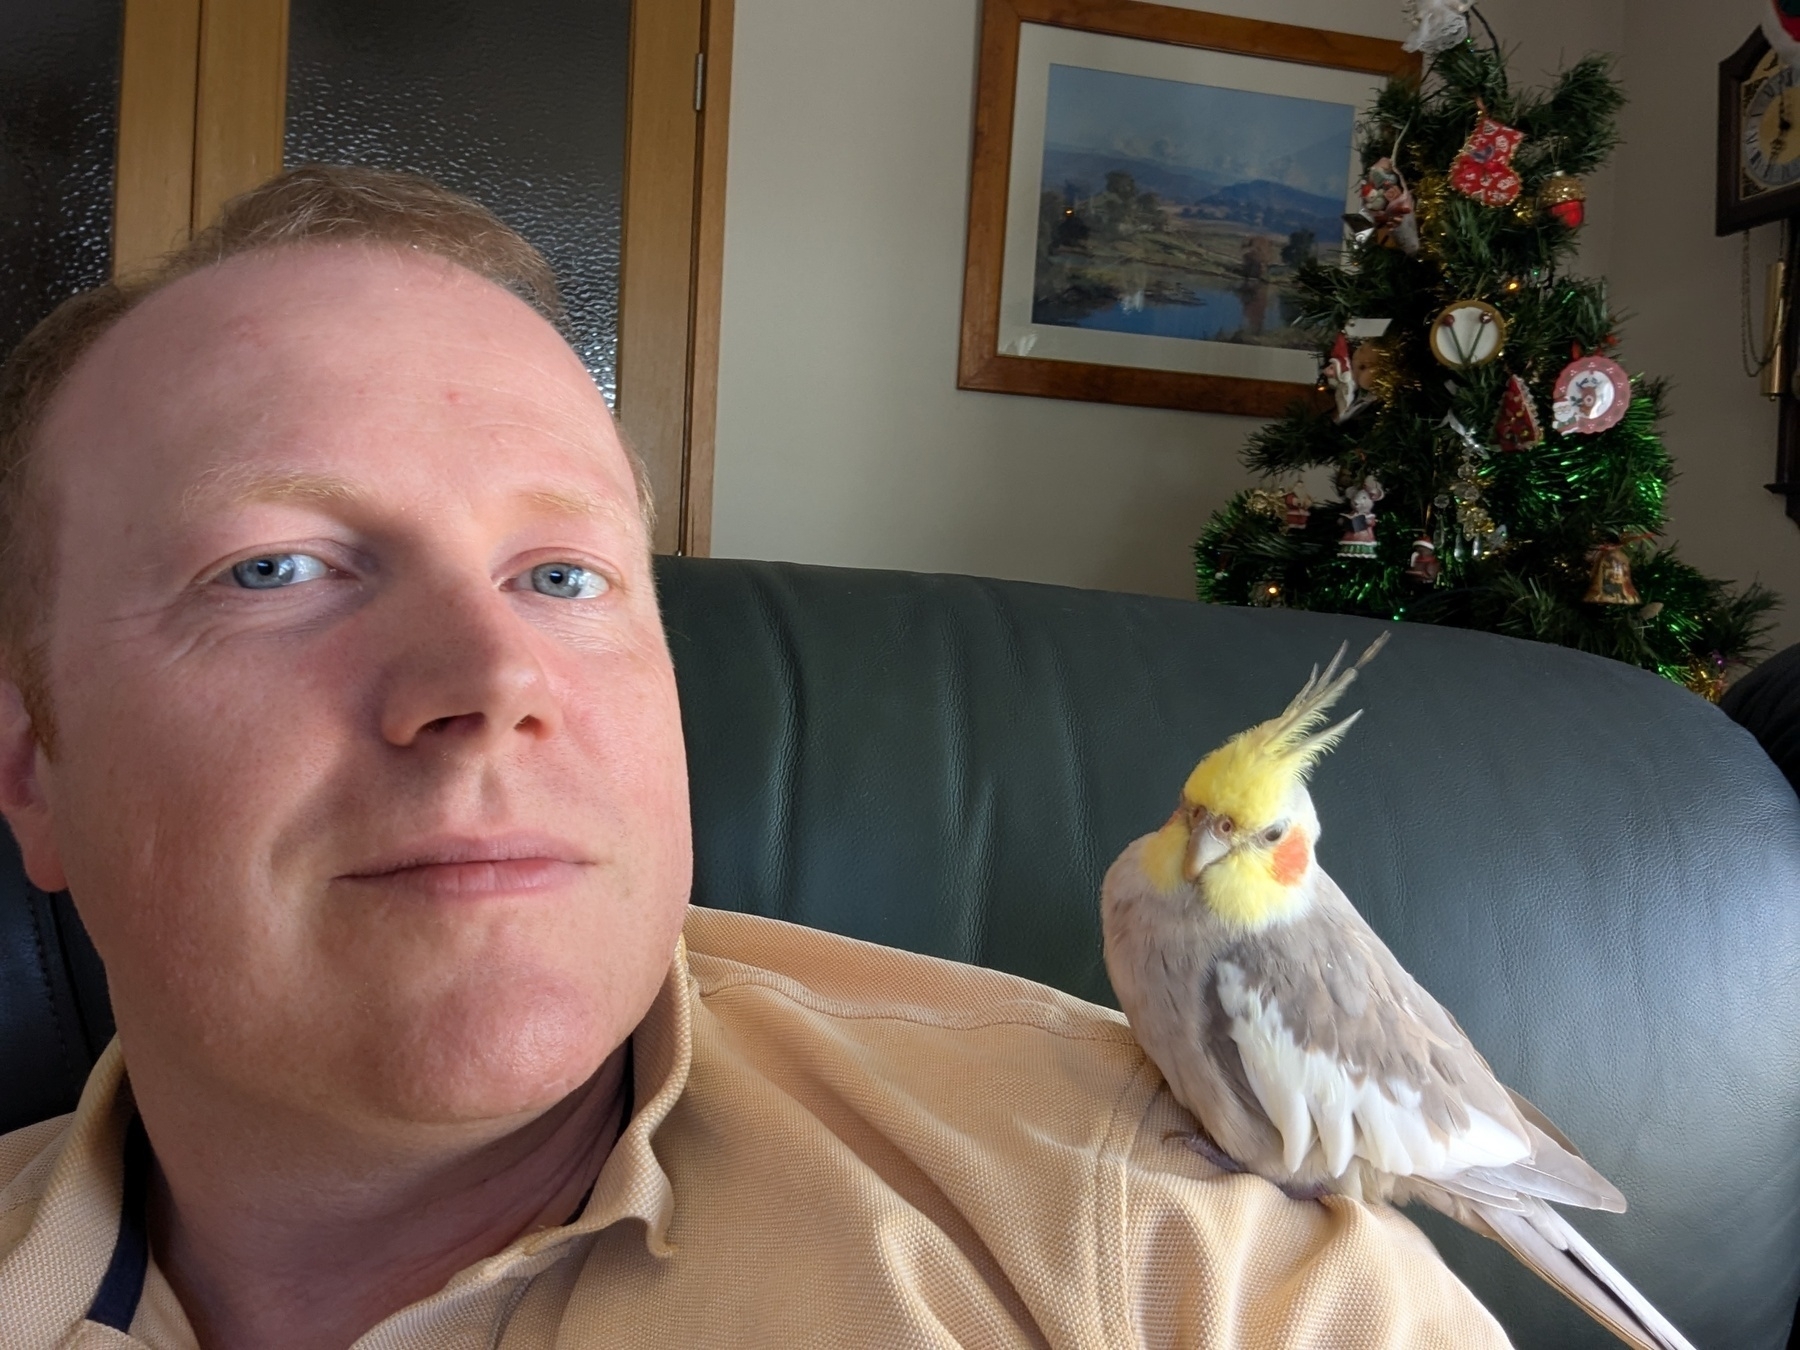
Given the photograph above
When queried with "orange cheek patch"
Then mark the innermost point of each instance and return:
(1289, 860)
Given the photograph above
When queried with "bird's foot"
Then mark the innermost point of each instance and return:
(1200, 1142)
(1316, 1191)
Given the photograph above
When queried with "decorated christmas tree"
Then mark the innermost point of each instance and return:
(1494, 466)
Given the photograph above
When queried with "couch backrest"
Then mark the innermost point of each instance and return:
(1597, 872)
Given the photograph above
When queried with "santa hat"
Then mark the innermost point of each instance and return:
(1781, 25)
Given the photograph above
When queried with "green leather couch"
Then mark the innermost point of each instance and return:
(1596, 871)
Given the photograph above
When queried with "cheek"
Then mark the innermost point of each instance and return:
(166, 796)
(1290, 858)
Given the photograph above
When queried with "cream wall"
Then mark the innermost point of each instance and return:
(843, 438)
(1683, 284)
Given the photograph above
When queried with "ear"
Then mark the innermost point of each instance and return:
(22, 798)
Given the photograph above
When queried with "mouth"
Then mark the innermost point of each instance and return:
(453, 866)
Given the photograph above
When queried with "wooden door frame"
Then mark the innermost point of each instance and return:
(673, 253)
(202, 103)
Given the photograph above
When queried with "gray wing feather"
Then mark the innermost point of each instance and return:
(1342, 992)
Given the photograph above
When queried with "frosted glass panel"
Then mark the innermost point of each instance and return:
(59, 100)
(518, 103)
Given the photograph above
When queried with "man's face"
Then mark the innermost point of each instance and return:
(368, 779)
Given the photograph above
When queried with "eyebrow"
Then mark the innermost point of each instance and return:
(237, 483)
(234, 483)
(576, 502)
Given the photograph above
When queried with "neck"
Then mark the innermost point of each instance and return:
(290, 1234)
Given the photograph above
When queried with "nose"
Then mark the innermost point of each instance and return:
(467, 668)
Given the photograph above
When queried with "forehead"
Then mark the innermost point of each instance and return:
(319, 350)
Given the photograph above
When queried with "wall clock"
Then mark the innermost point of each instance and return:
(1759, 137)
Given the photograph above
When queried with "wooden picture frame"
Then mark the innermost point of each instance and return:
(1145, 376)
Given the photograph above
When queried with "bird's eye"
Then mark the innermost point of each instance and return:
(274, 570)
(1274, 832)
(1224, 826)
(566, 581)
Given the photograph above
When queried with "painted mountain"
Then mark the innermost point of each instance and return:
(1263, 161)
(1274, 207)
(1202, 194)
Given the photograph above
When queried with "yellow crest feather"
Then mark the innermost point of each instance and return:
(1249, 777)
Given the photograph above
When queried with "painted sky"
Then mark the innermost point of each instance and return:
(1232, 132)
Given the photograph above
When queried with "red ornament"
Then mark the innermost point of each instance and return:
(1483, 168)
(1516, 428)
(1296, 510)
(1564, 196)
(1423, 564)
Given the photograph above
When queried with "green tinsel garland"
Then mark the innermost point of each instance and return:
(1560, 501)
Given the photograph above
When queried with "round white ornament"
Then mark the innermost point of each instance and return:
(1468, 333)
(1591, 395)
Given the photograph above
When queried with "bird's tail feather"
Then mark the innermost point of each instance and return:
(1545, 1241)
(1550, 1173)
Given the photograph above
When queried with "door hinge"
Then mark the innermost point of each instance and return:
(699, 81)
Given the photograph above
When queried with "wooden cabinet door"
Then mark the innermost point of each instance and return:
(204, 89)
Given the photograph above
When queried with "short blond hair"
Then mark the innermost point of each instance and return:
(313, 204)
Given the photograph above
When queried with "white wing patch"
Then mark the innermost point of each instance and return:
(1306, 1092)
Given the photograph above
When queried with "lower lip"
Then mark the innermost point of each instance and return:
(511, 876)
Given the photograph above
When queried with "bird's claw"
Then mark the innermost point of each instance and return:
(1314, 1192)
(1200, 1142)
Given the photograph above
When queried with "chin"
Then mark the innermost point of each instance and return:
(507, 1044)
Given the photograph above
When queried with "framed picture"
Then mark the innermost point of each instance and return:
(1146, 180)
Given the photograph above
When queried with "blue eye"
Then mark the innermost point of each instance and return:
(273, 570)
(566, 581)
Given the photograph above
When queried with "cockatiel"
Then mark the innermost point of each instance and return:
(1303, 1048)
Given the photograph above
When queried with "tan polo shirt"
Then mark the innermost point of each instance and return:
(833, 1145)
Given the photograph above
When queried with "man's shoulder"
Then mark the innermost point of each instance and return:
(976, 1049)
(850, 980)
(26, 1159)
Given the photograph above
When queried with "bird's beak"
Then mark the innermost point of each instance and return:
(1204, 849)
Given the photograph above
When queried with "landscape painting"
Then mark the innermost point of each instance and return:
(1181, 210)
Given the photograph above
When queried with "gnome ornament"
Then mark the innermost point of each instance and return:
(1296, 510)
(1516, 428)
(1340, 378)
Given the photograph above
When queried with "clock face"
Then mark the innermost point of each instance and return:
(1759, 136)
(1771, 126)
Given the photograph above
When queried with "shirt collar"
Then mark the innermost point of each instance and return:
(105, 1169)
(632, 1184)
